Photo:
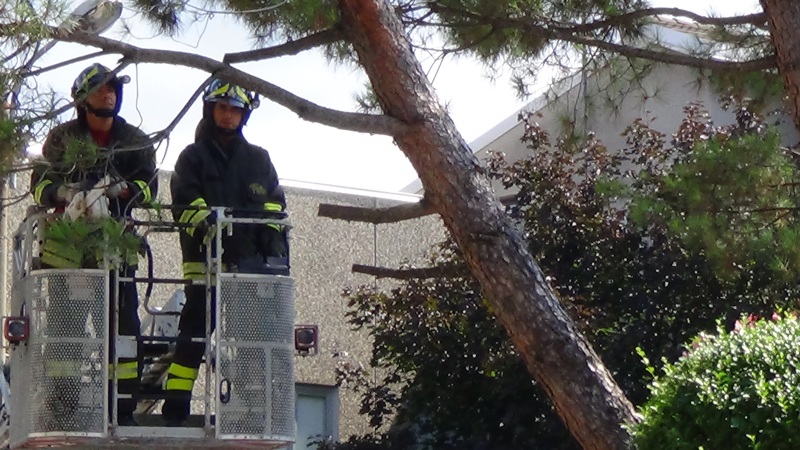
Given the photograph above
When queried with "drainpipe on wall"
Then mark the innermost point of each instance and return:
(4, 253)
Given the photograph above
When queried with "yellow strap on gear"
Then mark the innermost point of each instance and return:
(39, 189)
(147, 195)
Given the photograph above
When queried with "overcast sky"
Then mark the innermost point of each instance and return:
(302, 150)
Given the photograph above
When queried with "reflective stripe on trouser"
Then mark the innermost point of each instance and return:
(188, 353)
(125, 370)
(193, 270)
(180, 378)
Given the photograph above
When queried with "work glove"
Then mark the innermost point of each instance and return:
(76, 206)
(91, 203)
(118, 188)
(67, 191)
(206, 229)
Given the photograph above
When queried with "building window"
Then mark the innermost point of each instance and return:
(316, 414)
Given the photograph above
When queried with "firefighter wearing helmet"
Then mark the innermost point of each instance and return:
(219, 169)
(98, 151)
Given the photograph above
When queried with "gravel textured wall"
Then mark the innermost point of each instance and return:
(323, 251)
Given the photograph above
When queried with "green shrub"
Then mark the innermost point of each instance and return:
(735, 390)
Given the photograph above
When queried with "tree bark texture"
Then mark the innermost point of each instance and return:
(556, 354)
(783, 18)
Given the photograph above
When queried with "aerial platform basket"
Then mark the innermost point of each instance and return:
(59, 383)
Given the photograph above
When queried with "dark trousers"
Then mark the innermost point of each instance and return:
(129, 325)
(189, 354)
(68, 315)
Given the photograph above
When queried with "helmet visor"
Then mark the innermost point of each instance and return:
(235, 96)
(94, 76)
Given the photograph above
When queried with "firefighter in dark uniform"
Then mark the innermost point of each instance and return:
(107, 146)
(220, 169)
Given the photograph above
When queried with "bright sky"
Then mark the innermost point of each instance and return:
(302, 150)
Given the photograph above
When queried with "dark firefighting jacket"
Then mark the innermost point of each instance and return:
(72, 157)
(239, 176)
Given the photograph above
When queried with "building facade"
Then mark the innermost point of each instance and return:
(323, 251)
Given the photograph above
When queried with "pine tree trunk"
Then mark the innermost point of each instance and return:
(556, 354)
(784, 23)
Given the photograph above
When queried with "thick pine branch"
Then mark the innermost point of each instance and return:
(754, 65)
(307, 110)
(576, 35)
(757, 19)
(294, 47)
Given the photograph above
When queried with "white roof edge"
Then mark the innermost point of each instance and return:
(555, 91)
(413, 187)
(497, 131)
(322, 187)
(558, 89)
(396, 196)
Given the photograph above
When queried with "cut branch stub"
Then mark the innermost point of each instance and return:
(389, 214)
(449, 271)
(376, 215)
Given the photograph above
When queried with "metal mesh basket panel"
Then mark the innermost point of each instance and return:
(63, 366)
(255, 369)
(20, 372)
